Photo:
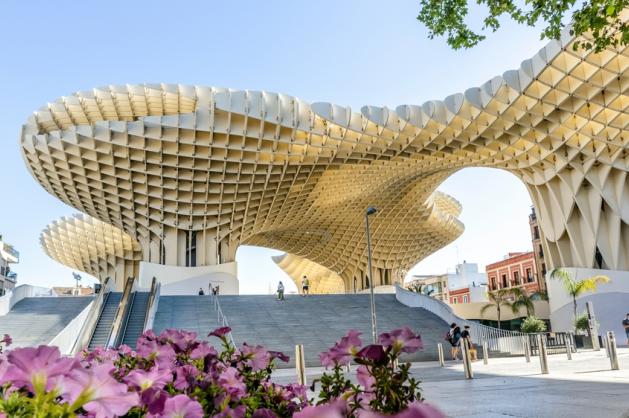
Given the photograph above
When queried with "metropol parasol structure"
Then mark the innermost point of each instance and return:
(171, 179)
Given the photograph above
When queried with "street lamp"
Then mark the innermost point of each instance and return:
(77, 278)
(371, 211)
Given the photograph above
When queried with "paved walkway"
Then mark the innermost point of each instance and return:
(583, 387)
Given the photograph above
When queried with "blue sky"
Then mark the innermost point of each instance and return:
(348, 52)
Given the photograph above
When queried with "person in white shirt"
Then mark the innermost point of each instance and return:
(305, 285)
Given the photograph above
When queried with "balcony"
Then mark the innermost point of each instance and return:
(12, 255)
(12, 277)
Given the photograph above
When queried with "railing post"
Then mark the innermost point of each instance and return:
(467, 362)
(300, 364)
(613, 353)
(440, 352)
(485, 352)
(606, 346)
(568, 348)
(543, 356)
(527, 349)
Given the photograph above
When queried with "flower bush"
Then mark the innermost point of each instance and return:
(175, 375)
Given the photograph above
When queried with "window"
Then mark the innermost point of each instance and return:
(494, 285)
(529, 275)
(465, 299)
(504, 281)
(541, 251)
(454, 301)
(535, 232)
(544, 269)
(191, 249)
(516, 278)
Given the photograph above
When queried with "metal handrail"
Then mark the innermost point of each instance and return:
(222, 319)
(121, 313)
(87, 330)
(125, 322)
(152, 304)
(511, 342)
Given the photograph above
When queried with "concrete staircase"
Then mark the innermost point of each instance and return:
(317, 322)
(37, 320)
(135, 323)
(106, 320)
(192, 313)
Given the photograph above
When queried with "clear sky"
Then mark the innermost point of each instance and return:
(347, 52)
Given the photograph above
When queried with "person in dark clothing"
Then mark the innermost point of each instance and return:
(455, 340)
(466, 337)
(201, 292)
(625, 323)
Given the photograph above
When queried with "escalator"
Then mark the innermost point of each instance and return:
(118, 317)
(134, 324)
(102, 331)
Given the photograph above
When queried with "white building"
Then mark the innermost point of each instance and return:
(8, 256)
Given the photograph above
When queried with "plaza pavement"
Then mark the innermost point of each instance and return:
(509, 387)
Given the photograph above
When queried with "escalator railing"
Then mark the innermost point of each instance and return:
(152, 305)
(85, 334)
(122, 313)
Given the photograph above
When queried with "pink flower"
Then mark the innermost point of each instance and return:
(180, 339)
(164, 355)
(238, 412)
(343, 350)
(334, 410)
(182, 406)
(365, 378)
(263, 413)
(36, 368)
(186, 376)
(7, 340)
(220, 332)
(420, 410)
(203, 350)
(232, 383)
(279, 355)
(373, 352)
(256, 357)
(98, 392)
(401, 340)
(154, 378)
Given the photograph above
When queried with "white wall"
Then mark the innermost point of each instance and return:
(23, 291)
(67, 336)
(611, 302)
(176, 280)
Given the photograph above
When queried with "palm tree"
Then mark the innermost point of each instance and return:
(576, 288)
(524, 299)
(498, 299)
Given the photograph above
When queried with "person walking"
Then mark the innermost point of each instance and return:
(466, 337)
(625, 323)
(455, 340)
(305, 285)
(280, 291)
(201, 292)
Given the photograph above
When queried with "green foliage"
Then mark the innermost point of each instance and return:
(582, 323)
(498, 299)
(600, 18)
(532, 324)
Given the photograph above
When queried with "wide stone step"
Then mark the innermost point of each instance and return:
(37, 320)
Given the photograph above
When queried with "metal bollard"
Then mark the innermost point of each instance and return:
(592, 326)
(440, 352)
(606, 346)
(467, 362)
(568, 349)
(527, 349)
(300, 364)
(543, 355)
(485, 353)
(613, 353)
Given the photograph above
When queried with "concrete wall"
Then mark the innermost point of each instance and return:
(176, 280)
(611, 301)
(17, 294)
(472, 311)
